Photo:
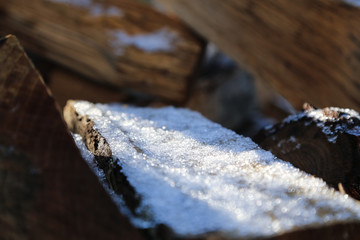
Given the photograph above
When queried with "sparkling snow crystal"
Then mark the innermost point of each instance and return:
(195, 176)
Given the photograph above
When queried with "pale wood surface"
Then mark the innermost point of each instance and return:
(96, 39)
(306, 50)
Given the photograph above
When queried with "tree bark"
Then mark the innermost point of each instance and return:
(123, 44)
(47, 189)
(306, 50)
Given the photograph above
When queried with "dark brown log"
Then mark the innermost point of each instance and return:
(328, 148)
(124, 44)
(66, 85)
(47, 189)
(306, 50)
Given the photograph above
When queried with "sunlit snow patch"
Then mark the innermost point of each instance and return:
(162, 40)
(196, 177)
(95, 9)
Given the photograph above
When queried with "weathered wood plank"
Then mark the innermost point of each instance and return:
(47, 191)
(306, 50)
(124, 43)
(163, 151)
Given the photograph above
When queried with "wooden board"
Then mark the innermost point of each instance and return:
(47, 189)
(306, 50)
(79, 122)
(124, 44)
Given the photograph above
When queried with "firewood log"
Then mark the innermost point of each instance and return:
(124, 44)
(47, 190)
(323, 142)
(198, 180)
(306, 50)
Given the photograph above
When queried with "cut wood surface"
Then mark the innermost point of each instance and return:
(323, 142)
(123, 43)
(306, 50)
(47, 189)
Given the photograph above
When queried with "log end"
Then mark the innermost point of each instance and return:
(323, 142)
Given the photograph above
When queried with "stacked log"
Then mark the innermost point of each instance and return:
(323, 142)
(123, 44)
(308, 51)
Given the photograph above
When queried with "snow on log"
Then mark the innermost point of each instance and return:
(124, 44)
(323, 142)
(306, 50)
(198, 178)
(46, 189)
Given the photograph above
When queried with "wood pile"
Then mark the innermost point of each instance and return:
(162, 53)
(123, 44)
(306, 50)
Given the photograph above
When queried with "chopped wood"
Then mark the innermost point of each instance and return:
(123, 44)
(47, 189)
(306, 50)
(98, 146)
(184, 152)
(323, 142)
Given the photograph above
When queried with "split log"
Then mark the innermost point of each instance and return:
(195, 177)
(47, 190)
(124, 43)
(306, 50)
(323, 142)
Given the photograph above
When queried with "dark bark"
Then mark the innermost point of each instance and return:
(329, 149)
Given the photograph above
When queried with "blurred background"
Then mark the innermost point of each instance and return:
(242, 64)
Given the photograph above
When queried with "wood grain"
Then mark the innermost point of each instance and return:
(107, 42)
(47, 191)
(306, 50)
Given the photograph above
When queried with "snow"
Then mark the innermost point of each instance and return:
(95, 9)
(99, 10)
(290, 144)
(118, 200)
(318, 114)
(329, 121)
(355, 3)
(78, 3)
(196, 177)
(162, 40)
